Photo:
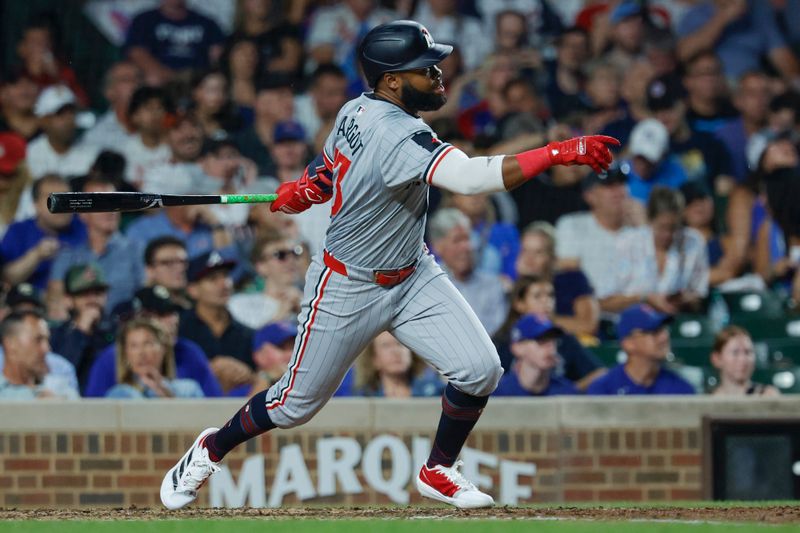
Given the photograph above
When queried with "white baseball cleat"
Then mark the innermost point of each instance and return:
(448, 485)
(183, 480)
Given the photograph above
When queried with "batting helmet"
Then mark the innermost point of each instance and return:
(399, 45)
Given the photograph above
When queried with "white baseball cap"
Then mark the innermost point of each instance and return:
(53, 99)
(649, 139)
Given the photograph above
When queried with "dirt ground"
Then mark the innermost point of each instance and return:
(773, 514)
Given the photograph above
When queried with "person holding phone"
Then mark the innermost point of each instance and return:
(663, 263)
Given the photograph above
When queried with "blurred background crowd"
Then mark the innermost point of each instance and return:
(678, 271)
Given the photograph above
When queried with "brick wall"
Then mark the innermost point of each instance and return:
(605, 460)
(121, 469)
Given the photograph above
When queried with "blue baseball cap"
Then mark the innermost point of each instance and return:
(274, 333)
(536, 328)
(641, 317)
(289, 131)
(624, 10)
(204, 264)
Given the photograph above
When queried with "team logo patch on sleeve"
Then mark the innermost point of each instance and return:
(426, 140)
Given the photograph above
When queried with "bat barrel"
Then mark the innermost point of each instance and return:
(98, 202)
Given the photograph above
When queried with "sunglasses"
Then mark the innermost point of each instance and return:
(281, 255)
(431, 72)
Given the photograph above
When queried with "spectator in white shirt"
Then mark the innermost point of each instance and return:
(277, 262)
(663, 263)
(147, 148)
(587, 241)
(26, 374)
(111, 130)
(185, 140)
(450, 232)
(57, 151)
(443, 20)
(336, 32)
(316, 110)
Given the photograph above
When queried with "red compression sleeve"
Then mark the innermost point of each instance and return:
(534, 162)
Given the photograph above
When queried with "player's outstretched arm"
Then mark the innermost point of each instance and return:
(315, 186)
(459, 173)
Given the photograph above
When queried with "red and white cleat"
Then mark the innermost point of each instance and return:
(180, 485)
(448, 485)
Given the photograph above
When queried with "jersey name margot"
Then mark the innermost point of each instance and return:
(348, 129)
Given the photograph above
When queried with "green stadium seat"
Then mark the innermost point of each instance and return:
(753, 304)
(690, 353)
(769, 327)
(777, 353)
(610, 353)
(694, 328)
(786, 380)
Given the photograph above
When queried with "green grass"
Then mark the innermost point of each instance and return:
(389, 526)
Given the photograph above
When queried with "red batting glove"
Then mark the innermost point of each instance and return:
(289, 200)
(589, 150)
(297, 196)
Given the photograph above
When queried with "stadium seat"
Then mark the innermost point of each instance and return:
(750, 304)
(694, 328)
(690, 353)
(787, 380)
(610, 353)
(777, 353)
(764, 327)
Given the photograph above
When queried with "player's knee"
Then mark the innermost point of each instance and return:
(492, 378)
(480, 384)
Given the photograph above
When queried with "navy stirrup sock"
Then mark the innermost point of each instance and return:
(250, 421)
(460, 412)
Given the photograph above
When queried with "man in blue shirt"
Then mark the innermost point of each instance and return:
(651, 163)
(119, 259)
(29, 246)
(172, 38)
(644, 335)
(533, 343)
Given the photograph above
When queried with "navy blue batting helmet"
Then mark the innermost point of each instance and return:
(396, 46)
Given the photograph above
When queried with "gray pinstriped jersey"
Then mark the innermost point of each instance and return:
(381, 157)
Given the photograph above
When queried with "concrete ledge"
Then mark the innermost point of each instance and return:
(395, 415)
(666, 411)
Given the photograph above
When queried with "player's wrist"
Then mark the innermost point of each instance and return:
(534, 162)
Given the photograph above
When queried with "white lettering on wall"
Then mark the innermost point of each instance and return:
(291, 476)
(337, 461)
(394, 487)
(224, 492)
(337, 458)
(511, 492)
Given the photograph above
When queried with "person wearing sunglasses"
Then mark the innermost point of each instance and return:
(277, 262)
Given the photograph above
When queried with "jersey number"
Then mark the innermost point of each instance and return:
(343, 164)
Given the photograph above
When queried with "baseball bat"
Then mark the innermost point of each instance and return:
(98, 202)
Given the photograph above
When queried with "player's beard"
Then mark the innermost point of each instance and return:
(419, 100)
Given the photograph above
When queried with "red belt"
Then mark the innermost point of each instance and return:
(385, 278)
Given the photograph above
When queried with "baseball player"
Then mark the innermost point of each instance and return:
(375, 274)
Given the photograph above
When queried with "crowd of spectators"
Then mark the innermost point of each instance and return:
(704, 196)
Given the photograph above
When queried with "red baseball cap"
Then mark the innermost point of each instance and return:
(12, 151)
